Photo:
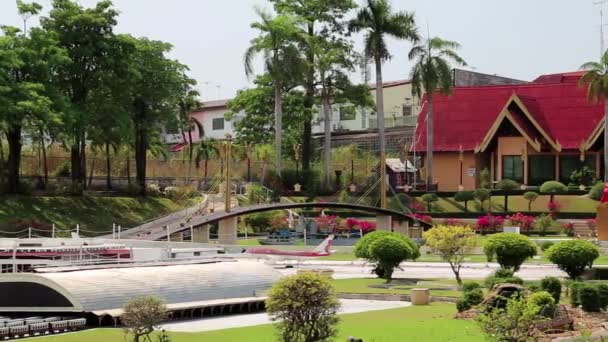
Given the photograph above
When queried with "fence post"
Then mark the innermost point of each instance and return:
(53, 231)
(191, 233)
(168, 235)
(29, 232)
(113, 231)
(119, 229)
(77, 229)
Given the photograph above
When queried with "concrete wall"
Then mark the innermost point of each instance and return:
(447, 174)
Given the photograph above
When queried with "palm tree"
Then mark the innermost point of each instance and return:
(282, 60)
(432, 72)
(205, 149)
(379, 22)
(596, 80)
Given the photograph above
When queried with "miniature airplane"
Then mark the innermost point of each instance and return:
(324, 249)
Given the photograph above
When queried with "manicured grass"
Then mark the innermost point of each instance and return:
(569, 203)
(419, 323)
(248, 242)
(439, 287)
(91, 213)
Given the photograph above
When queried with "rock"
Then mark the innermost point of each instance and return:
(496, 298)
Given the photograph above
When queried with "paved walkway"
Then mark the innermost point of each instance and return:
(217, 323)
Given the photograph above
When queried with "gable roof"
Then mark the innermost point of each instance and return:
(554, 113)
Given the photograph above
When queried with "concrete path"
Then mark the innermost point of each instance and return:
(217, 323)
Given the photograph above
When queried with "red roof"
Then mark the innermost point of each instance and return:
(557, 104)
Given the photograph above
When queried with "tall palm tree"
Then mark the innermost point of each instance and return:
(282, 60)
(596, 80)
(432, 72)
(205, 149)
(379, 22)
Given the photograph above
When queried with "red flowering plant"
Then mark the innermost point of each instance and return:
(328, 223)
(423, 218)
(367, 226)
(351, 223)
(417, 207)
(554, 207)
(490, 223)
(568, 228)
(453, 222)
(524, 222)
(279, 223)
(592, 224)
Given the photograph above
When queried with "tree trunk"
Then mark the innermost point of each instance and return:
(506, 203)
(309, 94)
(466, 207)
(2, 168)
(83, 160)
(429, 143)
(128, 166)
(327, 140)
(13, 136)
(45, 162)
(248, 169)
(75, 164)
(278, 127)
(91, 171)
(108, 168)
(141, 147)
(206, 169)
(529, 206)
(381, 135)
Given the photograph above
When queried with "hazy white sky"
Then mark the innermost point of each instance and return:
(515, 38)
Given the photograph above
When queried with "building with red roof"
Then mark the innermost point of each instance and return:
(529, 133)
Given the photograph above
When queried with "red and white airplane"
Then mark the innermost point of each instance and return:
(324, 249)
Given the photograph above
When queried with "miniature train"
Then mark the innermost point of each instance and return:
(36, 326)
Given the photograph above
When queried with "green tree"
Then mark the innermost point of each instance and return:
(306, 308)
(188, 100)
(596, 81)
(511, 249)
(379, 22)
(142, 315)
(530, 196)
(573, 256)
(429, 199)
(552, 188)
(452, 243)
(507, 185)
(87, 36)
(482, 195)
(203, 151)
(282, 61)
(28, 97)
(432, 72)
(363, 249)
(388, 252)
(464, 196)
(319, 19)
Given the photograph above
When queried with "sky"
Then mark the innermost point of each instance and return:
(514, 38)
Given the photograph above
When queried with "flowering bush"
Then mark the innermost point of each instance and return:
(367, 226)
(592, 224)
(352, 223)
(153, 190)
(417, 207)
(554, 206)
(328, 223)
(568, 228)
(522, 221)
(279, 223)
(423, 218)
(490, 223)
(453, 222)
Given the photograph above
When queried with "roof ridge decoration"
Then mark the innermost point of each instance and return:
(504, 113)
(595, 134)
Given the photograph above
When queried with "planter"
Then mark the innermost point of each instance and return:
(508, 229)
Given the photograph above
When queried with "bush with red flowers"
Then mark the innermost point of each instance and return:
(352, 223)
(524, 222)
(367, 226)
(568, 228)
(417, 207)
(453, 222)
(329, 223)
(423, 218)
(554, 207)
(490, 223)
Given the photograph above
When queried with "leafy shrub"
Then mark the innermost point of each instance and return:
(388, 252)
(545, 303)
(482, 194)
(546, 245)
(464, 196)
(584, 176)
(180, 193)
(365, 249)
(530, 196)
(552, 188)
(64, 170)
(510, 249)
(507, 185)
(462, 305)
(502, 276)
(573, 256)
(259, 222)
(503, 273)
(568, 228)
(473, 297)
(603, 295)
(589, 297)
(429, 199)
(575, 286)
(470, 285)
(543, 223)
(279, 222)
(514, 323)
(534, 287)
(362, 246)
(597, 191)
(484, 179)
(153, 190)
(490, 223)
(553, 286)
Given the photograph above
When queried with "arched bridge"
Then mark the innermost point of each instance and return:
(160, 233)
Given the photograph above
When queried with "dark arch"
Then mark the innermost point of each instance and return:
(29, 294)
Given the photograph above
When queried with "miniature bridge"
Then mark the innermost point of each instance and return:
(386, 219)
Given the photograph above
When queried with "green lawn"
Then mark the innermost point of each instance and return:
(569, 203)
(248, 242)
(439, 287)
(420, 323)
(92, 213)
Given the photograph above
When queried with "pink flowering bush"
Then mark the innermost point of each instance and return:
(329, 223)
(417, 207)
(490, 223)
(522, 221)
(568, 228)
(352, 223)
(554, 207)
(592, 224)
(423, 218)
(453, 222)
(367, 226)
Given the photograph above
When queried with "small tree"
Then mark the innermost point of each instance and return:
(507, 185)
(464, 196)
(452, 243)
(515, 323)
(484, 179)
(142, 315)
(553, 286)
(552, 188)
(482, 195)
(530, 196)
(306, 308)
(573, 256)
(597, 191)
(363, 250)
(388, 252)
(429, 199)
(510, 249)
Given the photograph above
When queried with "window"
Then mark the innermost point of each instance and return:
(407, 110)
(347, 113)
(513, 168)
(571, 163)
(542, 169)
(217, 124)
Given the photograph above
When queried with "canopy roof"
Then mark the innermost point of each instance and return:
(552, 112)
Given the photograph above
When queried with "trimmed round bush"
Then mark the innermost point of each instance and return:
(362, 247)
(507, 184)
(546, 245)
(553, 286)
(573, 256)
(510, 249)
(589, 297)
(388, 252)
(462, 305)
(575, 286)
(597, 191)
(553, 187)
(545, 303)
(470, 286)
(603, 293)
(464, 196)
(473, 297)
(502, 276)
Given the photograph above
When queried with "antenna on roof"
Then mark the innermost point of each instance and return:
(601, 4)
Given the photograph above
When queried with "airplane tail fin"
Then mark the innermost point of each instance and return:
(325, 246)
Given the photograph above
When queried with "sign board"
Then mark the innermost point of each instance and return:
(471, 172)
